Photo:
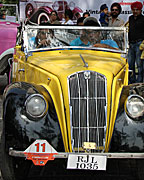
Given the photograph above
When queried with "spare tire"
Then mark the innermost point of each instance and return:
(42, 17)
(30, 8)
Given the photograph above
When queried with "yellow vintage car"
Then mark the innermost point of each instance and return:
(69, 111)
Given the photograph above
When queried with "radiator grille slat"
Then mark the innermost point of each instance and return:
(87, 98)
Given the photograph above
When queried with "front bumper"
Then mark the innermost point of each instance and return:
(65, 155)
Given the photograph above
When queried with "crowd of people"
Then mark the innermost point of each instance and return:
(112, 19)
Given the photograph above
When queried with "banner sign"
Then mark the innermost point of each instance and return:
(28, 7)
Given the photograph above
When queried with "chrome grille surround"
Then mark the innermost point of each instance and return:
(88, 109)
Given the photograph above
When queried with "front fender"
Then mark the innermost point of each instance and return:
(4, 60)
(7, 52)
(128, 134)
(19, 129)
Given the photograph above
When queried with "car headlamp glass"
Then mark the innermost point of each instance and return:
(135, 106)
(36, 105)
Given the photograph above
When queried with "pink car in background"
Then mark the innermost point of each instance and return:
(37, 12)
(8, 29)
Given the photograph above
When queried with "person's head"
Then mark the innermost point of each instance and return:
(68, 14)
(104, 8)
(40, 36)
(136, 8)
(80, 21)
(3, 15)
(53, 16)
(115, 9)
(86, 14)
(93, 36)
(91, 21)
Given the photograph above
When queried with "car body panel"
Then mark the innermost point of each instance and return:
(85, 90)
(8, 32)
(56, 70)
(9, 22)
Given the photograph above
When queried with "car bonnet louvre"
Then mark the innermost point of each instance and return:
(88, 105)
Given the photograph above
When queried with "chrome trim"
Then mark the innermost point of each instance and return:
(89, 127)
(124, 29)
(85, 63)
(127, 111)
(65, 155)
(31, 96)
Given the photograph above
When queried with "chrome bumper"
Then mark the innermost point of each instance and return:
(15, 153)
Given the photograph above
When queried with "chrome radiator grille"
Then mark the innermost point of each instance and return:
(88, 106)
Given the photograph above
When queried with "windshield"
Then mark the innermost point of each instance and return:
(75, 37)
(9, 12)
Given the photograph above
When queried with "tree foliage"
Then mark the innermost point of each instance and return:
(9, 1)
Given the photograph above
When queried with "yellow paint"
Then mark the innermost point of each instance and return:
(51, 69)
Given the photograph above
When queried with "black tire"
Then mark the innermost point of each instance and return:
(4, 64)
(5, 162)
(27, 9)
(42, 17)
(13, 168)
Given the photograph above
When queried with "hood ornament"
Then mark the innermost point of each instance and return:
(87, 75)
(85, 63)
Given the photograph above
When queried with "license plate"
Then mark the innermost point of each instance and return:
(89, 162)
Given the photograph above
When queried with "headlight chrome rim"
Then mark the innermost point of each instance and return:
(129, 107)
(27, 105)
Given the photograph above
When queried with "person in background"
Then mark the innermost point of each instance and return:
(54, 18)
(77, 15)
(96, 37)
(114, 20)
(104, 14)
(93, 38)
(3, 15)
(68, 15)
(80, 21)
(82, 40)
(141, 47)
(41, 39)
(136, 36)
(86, 14)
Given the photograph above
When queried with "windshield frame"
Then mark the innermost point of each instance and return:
(124, 29)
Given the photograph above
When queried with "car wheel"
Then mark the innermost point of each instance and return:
(4, 64)
(29, 9)
(12, 168)
(5, 163)
(42, 17)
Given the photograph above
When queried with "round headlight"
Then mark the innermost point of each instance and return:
(135, 106)
(36, 105)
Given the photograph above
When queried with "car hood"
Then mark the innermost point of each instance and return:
(67, 62)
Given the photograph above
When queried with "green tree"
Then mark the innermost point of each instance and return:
(9, 1)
